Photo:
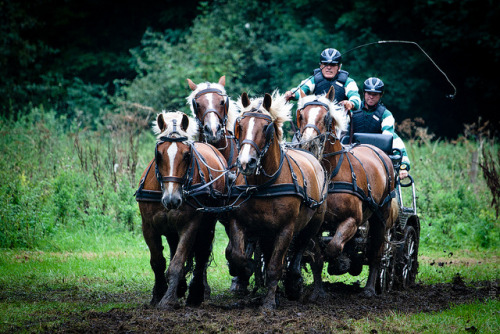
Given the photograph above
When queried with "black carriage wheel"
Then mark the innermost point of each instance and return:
(385, 278)
(407, 264)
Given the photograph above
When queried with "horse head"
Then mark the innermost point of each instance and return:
(259, 126)
(173, 155)
(318, 119)
(212, 108)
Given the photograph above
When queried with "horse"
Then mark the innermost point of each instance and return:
(215, 113)
(361, 187)
(278, 197)
(176, 192)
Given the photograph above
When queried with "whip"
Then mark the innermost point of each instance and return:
(449, 96)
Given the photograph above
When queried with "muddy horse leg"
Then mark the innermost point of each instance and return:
(158, 263)
(202, 251)
(345, 231)
(274, 266)
(176, 272)
(317, 264)
(293, 279)
(374, 254)
(240, 264)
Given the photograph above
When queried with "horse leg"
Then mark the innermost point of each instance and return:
(202, 251)
(176, 272)
(157, 261)
(173, 241)
(274, 266)
(293, 279)
(317, 270)
(240, 265)
(374, 254)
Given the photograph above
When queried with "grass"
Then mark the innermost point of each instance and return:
(50, 287)
(467, 318)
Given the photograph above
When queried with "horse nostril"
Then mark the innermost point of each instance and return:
(252, 163)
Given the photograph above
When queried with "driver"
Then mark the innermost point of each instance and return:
(329, 74)
(373, 117)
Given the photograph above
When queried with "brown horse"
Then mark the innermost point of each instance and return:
(360, 190)
(215, 114)
(279, 196)
(183, 180)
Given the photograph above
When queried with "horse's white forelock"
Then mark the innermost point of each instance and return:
(232, 112)
(336, 110)
(168, 116)
(280, 109)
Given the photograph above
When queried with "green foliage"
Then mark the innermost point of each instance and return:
(454, 207)
(56, 180)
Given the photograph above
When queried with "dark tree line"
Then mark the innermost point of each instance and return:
(85, 57)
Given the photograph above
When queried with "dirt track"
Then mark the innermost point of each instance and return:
(242, 315)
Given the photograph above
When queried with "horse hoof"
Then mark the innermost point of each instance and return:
(368, 293)
(238, 288)
(317, 296)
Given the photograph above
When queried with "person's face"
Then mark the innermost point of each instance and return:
(371, 99)
(329, 70)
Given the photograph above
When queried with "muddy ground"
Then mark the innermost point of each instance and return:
(223, 314)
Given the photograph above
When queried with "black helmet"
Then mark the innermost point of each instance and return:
(330, 56)
(374, 85)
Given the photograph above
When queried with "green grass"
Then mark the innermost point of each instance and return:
(50, 287)
(467, 318)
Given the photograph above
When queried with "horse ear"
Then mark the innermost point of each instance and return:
(267, 101)
(331, 94)
(222, 80)
(301, 92)
(161, 123)
(191, 84)
(236, 130)
(245, 101)
(184, 122)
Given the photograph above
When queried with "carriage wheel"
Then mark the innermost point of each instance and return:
(385, 279)
(407, 264)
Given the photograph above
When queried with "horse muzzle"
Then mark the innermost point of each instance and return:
(213, 134)
(171, 201)
(247, 168)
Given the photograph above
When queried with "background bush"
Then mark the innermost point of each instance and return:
(60, 180)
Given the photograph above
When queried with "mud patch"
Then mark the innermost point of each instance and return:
(223, 314)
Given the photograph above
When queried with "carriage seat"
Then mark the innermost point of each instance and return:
(382, 141)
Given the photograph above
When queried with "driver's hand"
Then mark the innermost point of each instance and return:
(403, 174)
(348, 105)
(289, 95)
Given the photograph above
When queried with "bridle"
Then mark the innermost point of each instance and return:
(196, 107)
(328, 121)
(269, 136)
(176, 179)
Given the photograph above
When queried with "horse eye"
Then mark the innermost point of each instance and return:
(222, 102)
(186, 156)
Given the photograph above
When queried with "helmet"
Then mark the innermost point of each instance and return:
(374, 85)
(330, 56)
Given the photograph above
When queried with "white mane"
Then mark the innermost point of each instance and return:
(337, 111)
(191, 132)
(280, 109)
(232, 112)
